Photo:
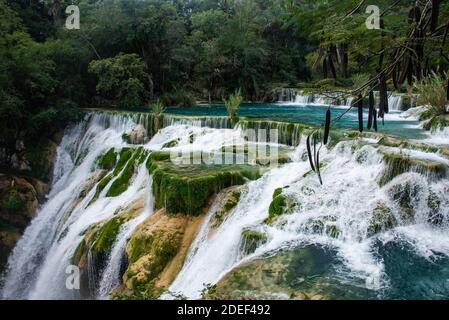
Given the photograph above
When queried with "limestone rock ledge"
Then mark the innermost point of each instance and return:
(156, 252)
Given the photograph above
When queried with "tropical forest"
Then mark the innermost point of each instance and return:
(224, 150)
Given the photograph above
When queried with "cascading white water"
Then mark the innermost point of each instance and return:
(111, 277)
(345, 204)
(38, 263)
(395, 103)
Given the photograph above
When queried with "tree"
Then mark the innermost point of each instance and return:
(121, 79)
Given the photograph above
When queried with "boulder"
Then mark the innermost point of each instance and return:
(137, 135)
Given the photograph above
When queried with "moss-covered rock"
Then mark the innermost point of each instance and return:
(400, 143)
(137, 135)
(101, 236)
(397, 164)
(227, 200)
(232, 201)
(381, 220)
(19, 200)
(289, 133)
(108, 160)
(281, 204)
(187, 188)
(407, 192)
(277, 192)
(171, 144)
(121, 183)
(325, 225)
(277, 206)
(40, 157)
(301, 273)
(251, 240)
(156, 252)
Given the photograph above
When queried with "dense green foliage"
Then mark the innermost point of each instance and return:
(129, 52)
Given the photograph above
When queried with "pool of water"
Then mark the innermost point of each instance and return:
(313, 115)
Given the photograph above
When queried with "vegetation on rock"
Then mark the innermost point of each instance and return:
(397, 164)
(187, 188)
(107, 161)
(381, 220)
(251, 240)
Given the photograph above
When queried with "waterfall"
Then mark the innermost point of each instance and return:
(37, 265)
(395, 103)
(287, 95)
(111, 277)
(355, 211)
(211, 122)
(341, 214)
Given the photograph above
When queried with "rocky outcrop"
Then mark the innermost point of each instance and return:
(97, 242)
(280, 205)
(20, 198)
(294, 274)
(188, 188)
(156, 253)
(137, 135)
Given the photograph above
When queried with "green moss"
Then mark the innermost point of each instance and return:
(102, 184)
(251, 240)
(171, 144)
(232, 201)
(125, 155)
(80, 251)
(13, 201)
(121, 183)
(381, 220)
(277, 192)
(106, 235)
(288, 133)
(280, 205)
(107, 161)
(100, 237)
(262, 157)
(397, 164)
(39, 156)
(187, 188)
(126, 137)
(277, 206)
(160, 247)
(398, 143)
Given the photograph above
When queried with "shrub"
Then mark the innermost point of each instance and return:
(181, 98)
(14, 201)
(233, 103)
(432, 94)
